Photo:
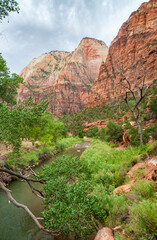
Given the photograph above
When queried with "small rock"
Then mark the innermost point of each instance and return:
(104, 234)
(123, 189)
(118, 229)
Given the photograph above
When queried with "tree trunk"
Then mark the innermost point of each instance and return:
(139, 131)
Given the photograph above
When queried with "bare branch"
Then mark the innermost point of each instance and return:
(143, 95)
(19, 205)
(34, 190)
(20, 175)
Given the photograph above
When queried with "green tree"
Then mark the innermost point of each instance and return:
(7, 6)
(52, 129)
(114, 131)
(8, 83)
(15, 122)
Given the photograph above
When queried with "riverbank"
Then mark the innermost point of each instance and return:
(16, 223)
(83, 187)
(31, 156)
(125, 183)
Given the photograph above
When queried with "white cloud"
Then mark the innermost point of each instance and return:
(47, 25)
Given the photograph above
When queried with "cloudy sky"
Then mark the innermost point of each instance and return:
(46, 25)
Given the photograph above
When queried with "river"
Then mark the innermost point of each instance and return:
(15, 223)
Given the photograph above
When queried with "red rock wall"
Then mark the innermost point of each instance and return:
(134, 50)
(64, 79)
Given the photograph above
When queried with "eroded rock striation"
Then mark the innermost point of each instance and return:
(63, 78)
(133, 51)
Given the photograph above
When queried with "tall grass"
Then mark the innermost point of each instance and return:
(69, 141)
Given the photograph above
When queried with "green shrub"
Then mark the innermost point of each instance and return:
(153, 106)
(71, 209)
(69, 141)
(80, 134)
(119, 236)
(92, 132)
(134, 137)
(144, 190)
(153, 131)
(69, 204)
(114, 131)
(102, 134)
(143, 218)
(117, 210)
(69, 166)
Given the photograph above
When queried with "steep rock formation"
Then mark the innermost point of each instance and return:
(133, 51)
(63, 78)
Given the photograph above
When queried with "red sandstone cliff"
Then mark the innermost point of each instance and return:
(134, 50)
(64, 79)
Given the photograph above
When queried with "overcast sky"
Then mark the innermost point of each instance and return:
(46, 25)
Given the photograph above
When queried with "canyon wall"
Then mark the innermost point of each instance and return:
(132, 54)
(63, 78)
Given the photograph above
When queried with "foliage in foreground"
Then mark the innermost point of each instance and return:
(79, 192)
(7, 6)
(68, 189)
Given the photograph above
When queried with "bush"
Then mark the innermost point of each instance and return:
(153, 131)
(117, 210)
(143, 217)
(153, 106)
(69, 141)
(144, 190)
(69, 205)
(102, 134)
(134, 137)
(92, 132)
(114, 131)
(80, 134)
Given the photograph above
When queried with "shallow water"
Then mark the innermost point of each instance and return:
(15, 223)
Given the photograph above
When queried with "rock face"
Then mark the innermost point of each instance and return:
(63, 78)
(133, 52)
(146, 170)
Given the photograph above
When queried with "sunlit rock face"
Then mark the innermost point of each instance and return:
(64, 78)
(133, 51)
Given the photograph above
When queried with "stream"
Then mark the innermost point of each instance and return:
(15, 223)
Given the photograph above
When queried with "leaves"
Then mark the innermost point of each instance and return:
(8, 83)
(7, 6)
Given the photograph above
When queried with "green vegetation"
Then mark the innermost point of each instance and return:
(110, 111)
(144, 219)
(7, 6)
(69, 141)
(153, 106)
(92, 132)
(114, 113)
(79, 192)
(8, 83)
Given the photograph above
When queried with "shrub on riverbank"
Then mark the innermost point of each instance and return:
(69, 141)
(79, 191)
